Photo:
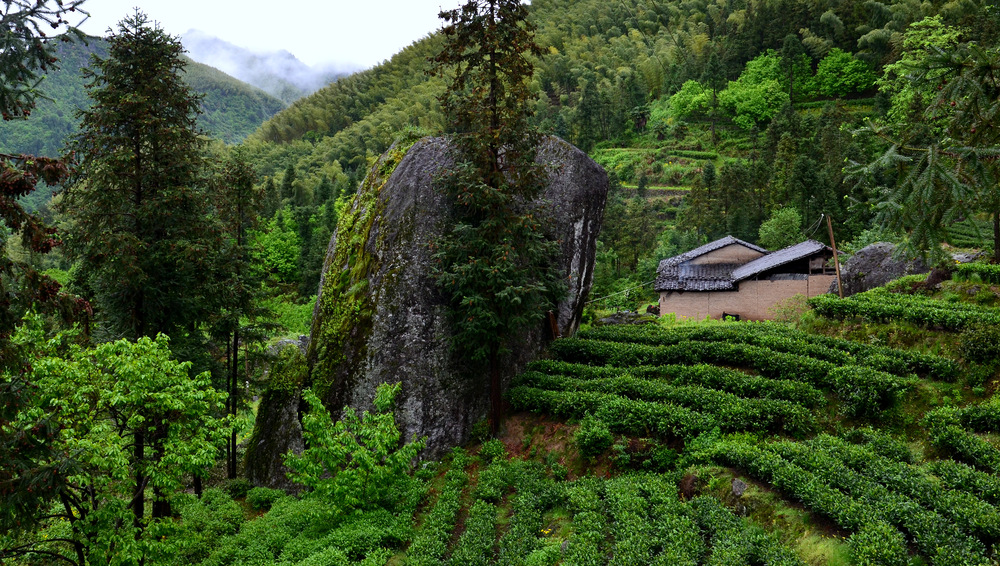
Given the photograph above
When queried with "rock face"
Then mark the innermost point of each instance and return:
(874, 266)
(278, 427)
(379, 317)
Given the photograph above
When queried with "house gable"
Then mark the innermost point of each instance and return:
(708, 267)
(734, 254)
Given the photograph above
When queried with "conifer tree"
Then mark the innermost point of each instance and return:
(288, 183)
(240, 319)
(323, 191)
(942, 163)
(495, 266)
(139, 213)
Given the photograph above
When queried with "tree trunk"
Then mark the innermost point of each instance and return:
(138, 495)
(161, 505)
(496, 399)
(233, 398)
(996, 236)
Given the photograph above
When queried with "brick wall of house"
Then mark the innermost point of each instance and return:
(751, 302)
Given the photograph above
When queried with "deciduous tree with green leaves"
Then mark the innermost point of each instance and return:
(494, 265)
(360, 462)
(108, 405)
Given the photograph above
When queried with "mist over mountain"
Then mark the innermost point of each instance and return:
(278, 73)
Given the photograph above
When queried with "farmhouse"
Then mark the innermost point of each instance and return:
(733, 277)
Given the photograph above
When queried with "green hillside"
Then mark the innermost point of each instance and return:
(750, 107)
(231, 109)
(712, 443)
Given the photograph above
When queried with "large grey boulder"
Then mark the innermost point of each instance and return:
(874, 266)
(379, 317)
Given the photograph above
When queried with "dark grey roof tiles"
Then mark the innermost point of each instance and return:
(709, 247)
(676, 274)
(673, 274)
(777, 259)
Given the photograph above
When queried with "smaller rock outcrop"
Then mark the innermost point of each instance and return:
(278, 427)
(874, 266)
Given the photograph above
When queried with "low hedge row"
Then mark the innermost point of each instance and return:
(937, 537)
(476, 546)
(784, 339)
(638, 418)
(712, 377)
(431, 541)
(880, 305)
(986, 272)
(734, 542)
(823, 484)
(732, 413)
(521, 543)
(959, 476)
(865, 392)
(649, 524)
(969, 513)
(951, 438)
(588, 545)
(767, 362)
(795, 481)
(754, 334)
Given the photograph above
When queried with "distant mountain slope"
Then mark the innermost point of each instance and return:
(231, 109)
(279, 73)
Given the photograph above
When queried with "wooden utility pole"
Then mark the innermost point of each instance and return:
(836, 256)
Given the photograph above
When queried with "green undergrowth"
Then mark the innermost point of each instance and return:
(825, 443)
(874, 450)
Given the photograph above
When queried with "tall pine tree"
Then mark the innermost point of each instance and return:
(495, 266)
(241, 320)
(139, 215)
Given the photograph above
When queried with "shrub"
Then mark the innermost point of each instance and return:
(593, 437)
(262, 498)
(492, 451)
(878, 544)
(359, 462)
(980, 343)
(865, 392)
(238, 488)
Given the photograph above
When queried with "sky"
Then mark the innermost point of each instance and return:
(359, 33)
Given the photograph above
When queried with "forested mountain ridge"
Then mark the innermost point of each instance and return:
(230, 109)
(740, 107)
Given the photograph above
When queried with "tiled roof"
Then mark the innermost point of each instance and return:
(673, 275)
(709, 247)
(777, 259)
